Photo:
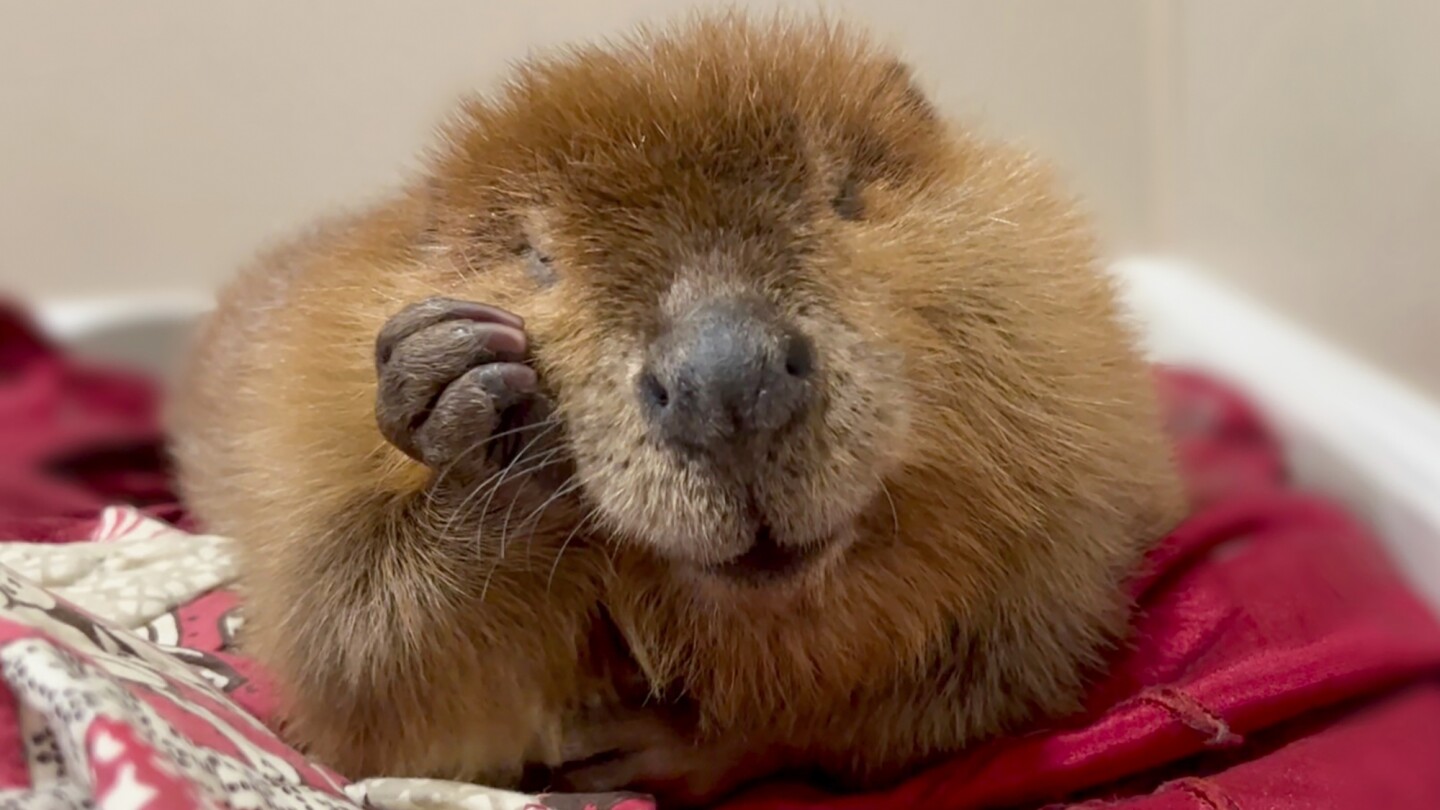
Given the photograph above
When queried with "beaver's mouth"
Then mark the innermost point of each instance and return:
(767, 560)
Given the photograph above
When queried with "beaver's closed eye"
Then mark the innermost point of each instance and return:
(847, 201)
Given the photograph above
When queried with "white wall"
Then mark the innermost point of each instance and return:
(1305, 137)
(156, 143)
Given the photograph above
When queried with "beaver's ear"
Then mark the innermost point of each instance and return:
(898, 82)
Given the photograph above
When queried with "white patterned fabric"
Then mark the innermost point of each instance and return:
(134, 570)
(117, 651)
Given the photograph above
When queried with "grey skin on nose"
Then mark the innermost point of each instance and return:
(727, 371)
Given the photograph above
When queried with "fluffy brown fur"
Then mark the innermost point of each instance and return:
(986, 470)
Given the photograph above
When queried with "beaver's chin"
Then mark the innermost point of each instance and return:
(769, 563)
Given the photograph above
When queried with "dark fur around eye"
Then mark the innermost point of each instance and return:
(540, 266)
(847, 202)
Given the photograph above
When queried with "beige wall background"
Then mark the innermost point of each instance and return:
(1303, 142)
(1292, 146)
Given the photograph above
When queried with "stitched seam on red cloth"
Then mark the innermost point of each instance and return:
(1193, 714)
(1202, 790)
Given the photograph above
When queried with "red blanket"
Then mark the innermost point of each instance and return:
(1279, 660)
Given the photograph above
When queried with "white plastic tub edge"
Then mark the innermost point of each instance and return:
(1350, 430)
(80, 319)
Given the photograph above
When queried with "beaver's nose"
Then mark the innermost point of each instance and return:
(727, 370)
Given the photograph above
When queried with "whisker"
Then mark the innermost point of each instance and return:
(531, 523)
(495, 488)
(491, 486)
(547, 460)
(485, 442)
(555, 566)
(894, 512)
(570, 485)
(464, 510)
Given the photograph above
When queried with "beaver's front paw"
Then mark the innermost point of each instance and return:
(454, 391)
(646, 750)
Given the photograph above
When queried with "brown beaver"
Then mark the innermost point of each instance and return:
(710, 403)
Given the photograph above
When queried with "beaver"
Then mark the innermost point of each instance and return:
(709, 406)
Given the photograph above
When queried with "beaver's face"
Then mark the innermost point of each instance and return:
(706, 269)
(738, 409)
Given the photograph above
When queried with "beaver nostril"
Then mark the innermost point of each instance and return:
(799, 356)
(653, 390)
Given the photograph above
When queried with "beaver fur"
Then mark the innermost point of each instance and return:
(516, 572)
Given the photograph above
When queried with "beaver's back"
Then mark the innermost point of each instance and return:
(217, 407)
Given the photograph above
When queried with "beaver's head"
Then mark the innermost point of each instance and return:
(752, 261)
